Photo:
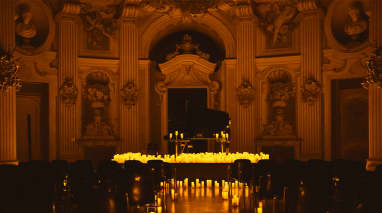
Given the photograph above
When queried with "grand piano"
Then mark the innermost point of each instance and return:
(201, 125)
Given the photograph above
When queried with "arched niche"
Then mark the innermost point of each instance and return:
(185, 71)
(154, 32)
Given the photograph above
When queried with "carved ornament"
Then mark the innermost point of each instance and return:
(310, 91)
(187, 47)
(9, 66)
(374, 70)
(277, 19)
(129, 94)
(101, 23)
(192, 7)
(68, 91)
(245, 93)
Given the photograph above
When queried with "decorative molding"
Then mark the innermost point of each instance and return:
(68, 91)
(310, 91)
(246, 93)
(129, 94)
(9, 66)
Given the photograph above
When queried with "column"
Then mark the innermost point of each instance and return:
(131, 132)
(310, 115)
(375, 92)
(8, 153)
(67, 115)
(243, 121)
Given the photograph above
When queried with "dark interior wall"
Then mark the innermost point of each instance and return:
(40, 90)
(350, 132)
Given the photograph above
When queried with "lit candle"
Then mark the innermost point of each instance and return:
(159, 201)
(159, 209)
(176, 132)
(209, 183)
(181, 136)
(186, 182)
(217, 136)
(225, 195)
(235, 201)
(170, 136)
(173, 194)
(226, 136)
(192, 184)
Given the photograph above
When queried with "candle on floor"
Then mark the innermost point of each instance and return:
(217, 185)
(173, 194)
(202, 184)
(209, 183)
(186, 182)
(225, 195)
(159, 201)
(159, 209)
(235, 201)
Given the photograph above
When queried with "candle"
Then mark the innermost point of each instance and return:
(209, 183)
(159, 201)
(202, 184)
(225, 195)
(235, 201)
(216, 184)
(176, 132)
(217, 136)
(159, 209)
(226, 136)
(260, 210)
(181, 136)
(186, 182)
(192, 184)
(170, 136)
(173, 194)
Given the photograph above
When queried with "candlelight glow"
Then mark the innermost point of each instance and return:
(207, 157)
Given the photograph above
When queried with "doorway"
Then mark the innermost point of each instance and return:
(350, 120)
(181, 101)
(32, 122)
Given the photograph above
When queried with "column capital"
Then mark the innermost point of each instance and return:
(308, 6)
(130, 9)
(243, 10)
(70, 9)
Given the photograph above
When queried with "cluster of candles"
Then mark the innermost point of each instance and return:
(181, 135)
(223, 136)
(207, 157)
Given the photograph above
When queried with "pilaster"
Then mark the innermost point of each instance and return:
(8, 153)
(132, 139)
(310, 114)
(68, 34)
(243, 121)
(375, 92)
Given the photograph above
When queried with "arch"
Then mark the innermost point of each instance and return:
(207, 24)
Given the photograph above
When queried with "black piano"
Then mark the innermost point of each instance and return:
(200, 127)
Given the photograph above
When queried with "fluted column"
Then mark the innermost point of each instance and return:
(7, 99)
(375, 92)
(243, 122)
(68, 34)
(310, 114)
(131, 133)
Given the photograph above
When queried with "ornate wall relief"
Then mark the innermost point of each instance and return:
(277, 20)
(68, 91)
(348, 30)
(129, 94)
(246, 93)
(35, 27)
(281, 105)
(374, 70)
(95, 107)
(310, 91)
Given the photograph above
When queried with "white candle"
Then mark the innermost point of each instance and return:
(217, 136)
(209, 183)
(181, 136)
(170, 136)
(176, 132)
(173, 194)
(192, 184)
(159, 209)
(235, 201)
(225, 195)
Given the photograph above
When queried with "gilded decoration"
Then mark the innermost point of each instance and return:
(68, 91)
(9, 66)
(100, 24)
(277, 20)
(246, 93)
(310, 91)
(374, 70)
(281, 101)
(129, 94)
(96, 100)
(187, 47)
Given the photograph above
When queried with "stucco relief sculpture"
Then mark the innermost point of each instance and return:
(96, 99)
(245, 93)
(187, 46)
(68, 91)
(276, 20)
(281, 105)
(357, 24)
(129, 94)
(310, 91)
(9, 66)
(100, 24)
